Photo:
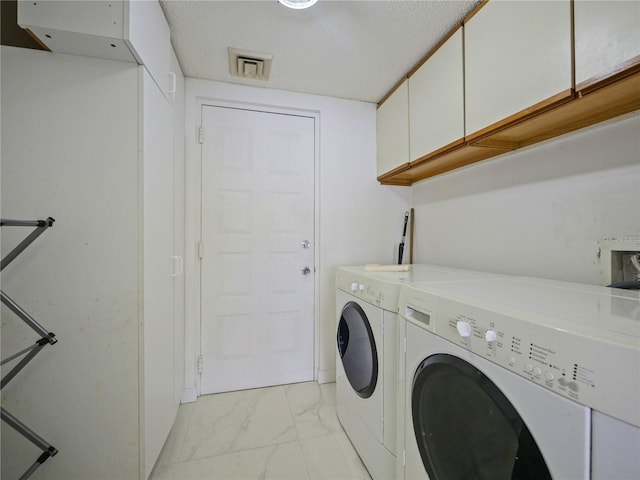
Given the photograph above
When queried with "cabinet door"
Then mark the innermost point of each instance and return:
(517, 54)
(436, 100)
(178, 227)
(157, 172)
(607, 34)
(392, 130)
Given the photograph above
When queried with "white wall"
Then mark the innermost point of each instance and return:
(70, 151)
(540, 211)
(359, 221)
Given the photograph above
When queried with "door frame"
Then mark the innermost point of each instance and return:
(193, 263)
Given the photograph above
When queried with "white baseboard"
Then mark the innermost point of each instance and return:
(189, 395)
(327, 376)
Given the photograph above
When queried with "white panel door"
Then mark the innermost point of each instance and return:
(257, 305)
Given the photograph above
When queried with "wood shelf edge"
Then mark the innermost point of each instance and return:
(626, 69)
(451, 157)
(439, 152)
(37, 39)
(527, 114)
(393, 173)
(397, 182)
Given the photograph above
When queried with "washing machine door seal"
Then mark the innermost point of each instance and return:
(357, 350)
(466, 428)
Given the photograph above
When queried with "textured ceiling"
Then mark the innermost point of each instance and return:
(348, 49)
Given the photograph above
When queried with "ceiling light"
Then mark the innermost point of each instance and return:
(297, 4)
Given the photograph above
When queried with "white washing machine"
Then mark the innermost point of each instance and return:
(519, 378)
(367, 357)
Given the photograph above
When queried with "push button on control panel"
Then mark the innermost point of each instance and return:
(573, 386)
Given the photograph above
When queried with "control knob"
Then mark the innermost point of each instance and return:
(464, 329)
(490, 336)
(354, 286)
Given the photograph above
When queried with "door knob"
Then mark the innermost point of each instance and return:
(306, 270)
(305, 244)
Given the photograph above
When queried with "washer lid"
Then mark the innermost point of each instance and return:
(382, 288)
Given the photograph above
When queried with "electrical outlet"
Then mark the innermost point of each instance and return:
(615, 259)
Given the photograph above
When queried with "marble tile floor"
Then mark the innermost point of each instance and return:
(283, 432)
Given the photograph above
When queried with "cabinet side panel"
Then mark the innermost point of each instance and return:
(149, 39)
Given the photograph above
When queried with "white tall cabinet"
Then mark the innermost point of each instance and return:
(107, 277)
(114, 147)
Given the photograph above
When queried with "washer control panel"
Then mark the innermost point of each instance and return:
(369, 290)
(585, 369)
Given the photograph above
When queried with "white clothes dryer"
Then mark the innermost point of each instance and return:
(367, 357)
(519, 379)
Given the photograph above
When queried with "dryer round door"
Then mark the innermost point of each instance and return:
(466, 428)
(357, 350)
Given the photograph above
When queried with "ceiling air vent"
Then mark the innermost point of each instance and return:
(251, 65)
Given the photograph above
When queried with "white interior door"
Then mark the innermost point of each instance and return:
(257, 304)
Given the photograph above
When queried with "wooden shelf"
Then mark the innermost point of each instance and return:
(567, 112)
(455, 155)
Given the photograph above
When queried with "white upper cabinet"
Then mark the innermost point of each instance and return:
(517, 54)
(392, 134)
(132, 31)
(436, 100)
(92, 29)
(607, 35)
